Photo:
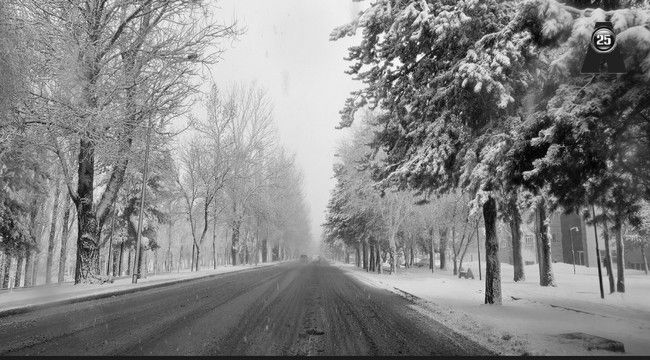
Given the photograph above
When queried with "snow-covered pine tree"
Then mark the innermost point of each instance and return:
(585, 141)
(355, 211)
(450, 77)
(446, 113)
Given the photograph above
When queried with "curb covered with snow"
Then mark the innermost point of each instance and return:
(456, 321)
(106, 291)
(532, 319)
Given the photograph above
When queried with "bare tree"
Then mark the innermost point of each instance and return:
(199, 187)
(135, 62)
(250, 127)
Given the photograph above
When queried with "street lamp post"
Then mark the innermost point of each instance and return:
(575, 228)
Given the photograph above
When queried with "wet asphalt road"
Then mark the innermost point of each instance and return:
(288, 309)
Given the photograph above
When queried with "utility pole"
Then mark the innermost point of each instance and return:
(600, 275)
(478, 246)
(573, 256)
(136, 262)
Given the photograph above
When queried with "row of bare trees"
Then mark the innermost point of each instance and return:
(87, 87)
(93, 78)
(233, 175)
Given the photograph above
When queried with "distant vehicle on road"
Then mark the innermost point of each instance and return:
(304, 258)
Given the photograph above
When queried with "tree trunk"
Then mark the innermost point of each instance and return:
(372, 257)
(431, 259)
(88, 232)
(214, 252)
(29, 268)
(620, 256)
(460, 263)
(144, 259)
(645, 260)
(412, 256)
(65, 227)
(357, 257)
(378, 258)
(454, 251)
(52, 238)
(19, 269)
(515, 233)
(192, 257)
(546, 275)
(443, 248)
(392, 252)
(235, 241)
(34, 207)
(265, 250)
(180, 258)
(364, 249)
(117, 257)
(455, 261)
(462, 255)
(2, 267)
(110, 259)
(34, 273)
(129, 262)
(492, 265)
(538, 256)
(6, 269)
(119, 265)
(608, 258)
(155, 262)
(198, 256)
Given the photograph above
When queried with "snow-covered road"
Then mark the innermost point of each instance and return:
(292, 308)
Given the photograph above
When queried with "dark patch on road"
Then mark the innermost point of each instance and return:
(593, 342)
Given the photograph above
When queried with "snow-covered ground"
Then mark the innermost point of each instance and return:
(39, 295)
(531, 316)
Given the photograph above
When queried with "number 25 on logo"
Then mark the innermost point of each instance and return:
(603, 40)
(602, 52)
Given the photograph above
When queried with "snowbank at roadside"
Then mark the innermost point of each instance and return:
(531, 316)
(43, 295)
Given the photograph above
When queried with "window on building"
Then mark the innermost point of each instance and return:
(529, 239)
(555, 238)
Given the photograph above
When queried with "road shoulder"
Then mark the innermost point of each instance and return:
(503, 339)
(21, 301)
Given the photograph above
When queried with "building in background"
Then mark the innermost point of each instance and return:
(581, 239)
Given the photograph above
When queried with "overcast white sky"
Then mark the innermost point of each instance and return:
(286, 49)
